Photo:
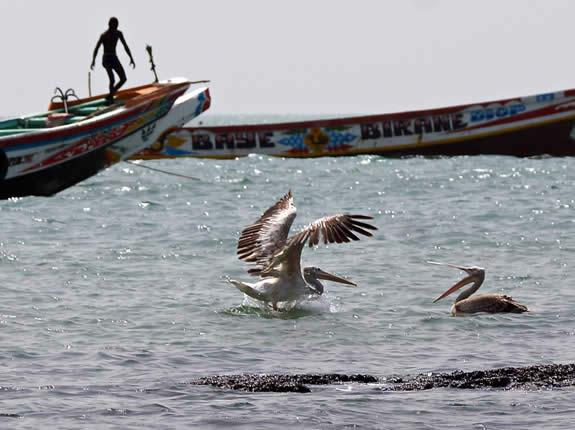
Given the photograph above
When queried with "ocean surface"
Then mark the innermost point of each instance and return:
(114, 295)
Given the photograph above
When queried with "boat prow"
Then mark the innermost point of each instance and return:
(45, 153)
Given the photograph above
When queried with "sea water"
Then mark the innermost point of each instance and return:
(113, 294)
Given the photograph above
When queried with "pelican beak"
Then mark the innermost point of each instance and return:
(329, 277)
(465, 269)
(463, 282)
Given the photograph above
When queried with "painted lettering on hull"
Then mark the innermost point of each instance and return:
(315, 140)
(231, 141)
(409, 127)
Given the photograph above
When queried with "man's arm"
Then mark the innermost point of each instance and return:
(96, 52)
(127, 50)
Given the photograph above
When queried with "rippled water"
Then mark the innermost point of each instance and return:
(114, 298)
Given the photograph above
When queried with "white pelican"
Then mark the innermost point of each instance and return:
(265, 243)
(491, 303)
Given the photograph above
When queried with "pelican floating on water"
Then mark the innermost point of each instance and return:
(491, 303)
(265, 243)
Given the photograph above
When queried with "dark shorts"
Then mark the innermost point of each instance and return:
(111, 62)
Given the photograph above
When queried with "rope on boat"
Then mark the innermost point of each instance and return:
(163, 171)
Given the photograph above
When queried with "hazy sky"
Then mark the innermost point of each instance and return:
(297, 56)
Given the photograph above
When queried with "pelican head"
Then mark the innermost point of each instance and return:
(475, 274)
(312, 275)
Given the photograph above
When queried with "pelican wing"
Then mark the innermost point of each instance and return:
(331, 229)
(260, 241)
(337, 229)
(491, 303)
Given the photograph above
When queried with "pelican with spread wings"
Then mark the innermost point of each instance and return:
(277, 257)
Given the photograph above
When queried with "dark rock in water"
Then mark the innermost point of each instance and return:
(279, 383)
(547, 376)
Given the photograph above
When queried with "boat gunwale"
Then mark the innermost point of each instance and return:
(370, 118)
(139, 104)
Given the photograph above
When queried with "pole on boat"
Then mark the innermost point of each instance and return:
(89, 84)
(153, 68)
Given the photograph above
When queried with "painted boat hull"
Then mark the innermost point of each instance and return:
(50, 160)
(527, 126)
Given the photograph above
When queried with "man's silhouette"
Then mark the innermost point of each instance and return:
(110, 60)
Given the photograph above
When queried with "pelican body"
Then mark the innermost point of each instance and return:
(277, 257)
(490, 303)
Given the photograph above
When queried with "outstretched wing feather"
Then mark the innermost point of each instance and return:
(362, 224)
(338, 229)
(341, 233)
(266, 244)
(260, 241)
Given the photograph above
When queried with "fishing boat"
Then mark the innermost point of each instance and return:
(45, 153)
(524, 126)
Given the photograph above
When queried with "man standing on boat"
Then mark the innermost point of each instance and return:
(110, 60)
